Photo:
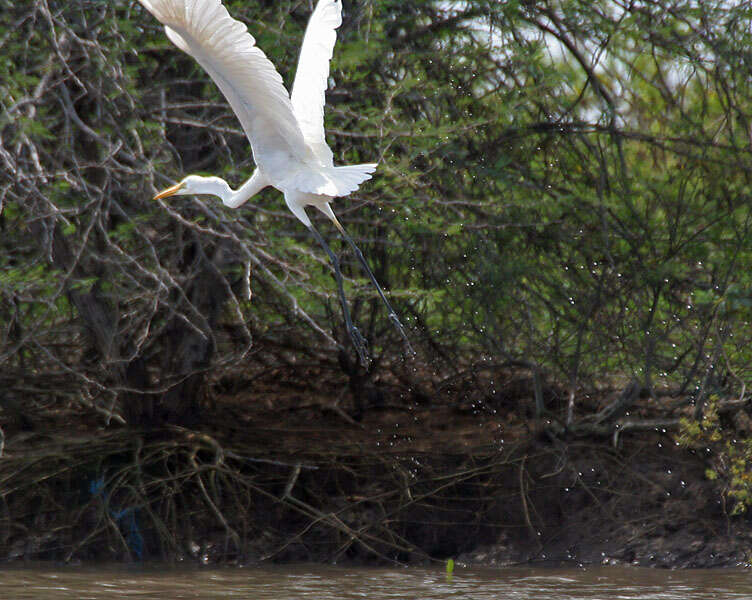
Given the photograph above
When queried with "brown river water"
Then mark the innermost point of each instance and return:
(325, 583)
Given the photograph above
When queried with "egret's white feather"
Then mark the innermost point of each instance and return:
(330, 181)
(312, 75)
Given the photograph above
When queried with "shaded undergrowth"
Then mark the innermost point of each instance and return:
(285, 483)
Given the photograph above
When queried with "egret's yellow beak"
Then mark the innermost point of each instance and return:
(170, 191)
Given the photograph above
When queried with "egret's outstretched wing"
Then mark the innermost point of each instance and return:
(308, 90)
(224, 48)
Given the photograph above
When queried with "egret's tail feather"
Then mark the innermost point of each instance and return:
(348, 178)
(331, 181)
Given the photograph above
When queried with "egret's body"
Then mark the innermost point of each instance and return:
(286, 131)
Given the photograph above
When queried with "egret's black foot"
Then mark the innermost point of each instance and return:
(360, 344)
(396, 322)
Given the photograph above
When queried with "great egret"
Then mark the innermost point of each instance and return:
(286, 131)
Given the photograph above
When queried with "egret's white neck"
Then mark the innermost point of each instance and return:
(253, 186)
(216, 186)
(211, 186)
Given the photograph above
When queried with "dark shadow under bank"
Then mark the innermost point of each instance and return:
(299, 480)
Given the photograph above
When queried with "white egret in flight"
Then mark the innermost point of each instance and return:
(286, 131)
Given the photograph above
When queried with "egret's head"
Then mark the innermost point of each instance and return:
(196, 184)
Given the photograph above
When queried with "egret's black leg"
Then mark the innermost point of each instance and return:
(357, 339)
(392, 314)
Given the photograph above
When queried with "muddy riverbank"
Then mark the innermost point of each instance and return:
(283, 475)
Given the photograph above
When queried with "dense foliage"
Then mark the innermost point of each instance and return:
(564, 187)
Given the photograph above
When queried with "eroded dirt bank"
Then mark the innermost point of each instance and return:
(287, 476)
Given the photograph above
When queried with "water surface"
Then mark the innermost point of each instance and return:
(330, 583)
